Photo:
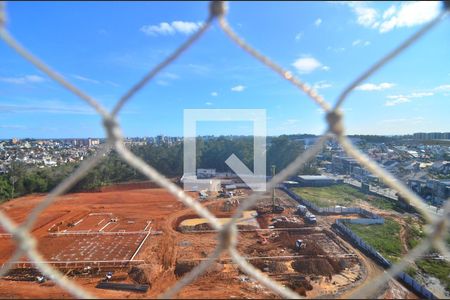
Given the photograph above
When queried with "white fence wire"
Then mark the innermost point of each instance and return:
(227, 233)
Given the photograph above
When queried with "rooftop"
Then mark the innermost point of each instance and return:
(314, 177)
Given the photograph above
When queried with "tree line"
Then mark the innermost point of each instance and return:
(167, 159)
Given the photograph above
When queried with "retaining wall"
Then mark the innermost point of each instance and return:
(402, 276)
(371, 218)
(330, 210)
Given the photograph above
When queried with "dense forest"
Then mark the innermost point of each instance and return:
(167, 159)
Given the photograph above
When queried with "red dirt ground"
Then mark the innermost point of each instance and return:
(134, 208)
(137, 206)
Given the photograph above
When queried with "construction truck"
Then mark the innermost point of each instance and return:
(203, 195)
(300, 244)
(301, 210)
(277, 209)
(310, 218)
(108, 276)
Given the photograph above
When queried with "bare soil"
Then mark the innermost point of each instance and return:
(321, 268)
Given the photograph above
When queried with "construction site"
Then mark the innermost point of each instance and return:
(137, 241)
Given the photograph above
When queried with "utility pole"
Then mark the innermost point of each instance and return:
(273, 190)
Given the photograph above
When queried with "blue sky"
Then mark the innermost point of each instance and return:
(103, 48)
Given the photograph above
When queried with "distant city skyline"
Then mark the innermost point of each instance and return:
(419, 135)
(325, 44)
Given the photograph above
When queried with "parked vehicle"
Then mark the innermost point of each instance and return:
(301, 210)
(300, 244)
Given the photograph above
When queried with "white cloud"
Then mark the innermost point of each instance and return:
(389, 12)
(365, 15)
(307, 64)
(404, 120)
(170, 75)
(165, 28)
(336, 49)
(321, 85)
(13, 127)
(199, 69)
(444, 87)
(208, 103)
(298, 36)
(23, 80)
(325, 68)
(408, 14)
(399, 99)
(360, 43)
(412, 95)
(186, 27)
(374, 87)
(42, 106)
(112, 83)
(162, 82)
(238, 88)
(34, 78)
(214, 94)
(82, 78)
(166, 79)
(318, 22)
(396, 101)
(420, 94)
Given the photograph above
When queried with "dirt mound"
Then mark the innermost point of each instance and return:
(246, 227)
(270, 266)
(137, 273)
(183, 267)
(288, 224)
(261, 250)
(277, 267)
(260, 264)
(300, 285)
(316, 266)
(25, 274)
(287, 239)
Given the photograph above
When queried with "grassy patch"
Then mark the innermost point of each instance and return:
(415, 232)
(385, 238)
(411, 271)
(438, 269)
(343, 195)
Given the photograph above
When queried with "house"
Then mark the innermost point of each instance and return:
(314, 180)
(442, 167)
(206, 173)
(192, 184)
(343, 164)
(440, 189)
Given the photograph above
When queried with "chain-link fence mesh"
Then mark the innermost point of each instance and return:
(436, 229)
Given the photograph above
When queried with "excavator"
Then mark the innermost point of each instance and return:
(262, 239)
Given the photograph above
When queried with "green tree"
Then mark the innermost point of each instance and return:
(5, 189)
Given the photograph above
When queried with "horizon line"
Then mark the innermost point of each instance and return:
(221, 135)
